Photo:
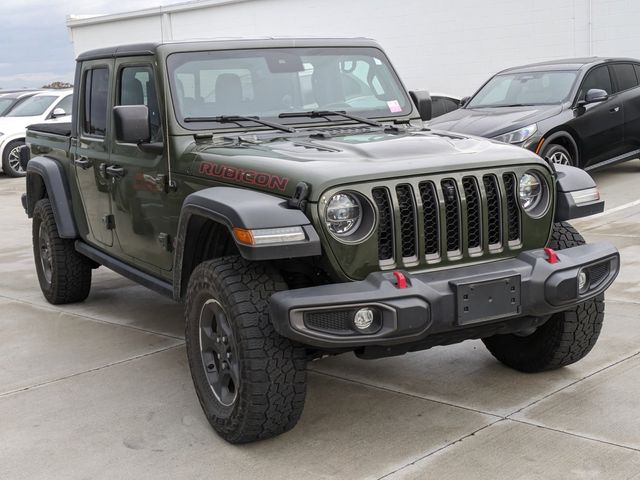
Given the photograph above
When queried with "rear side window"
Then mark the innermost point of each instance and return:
(625, 75)
(598, 78)
(96, 90)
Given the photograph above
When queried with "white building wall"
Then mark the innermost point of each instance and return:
(439, 45)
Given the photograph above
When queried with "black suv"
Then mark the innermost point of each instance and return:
(583, 112)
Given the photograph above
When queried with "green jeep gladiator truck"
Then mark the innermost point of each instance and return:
(288, 194)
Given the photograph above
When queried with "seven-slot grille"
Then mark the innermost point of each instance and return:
(447, 218)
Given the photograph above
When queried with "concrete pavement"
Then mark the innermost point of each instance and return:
(102, 389)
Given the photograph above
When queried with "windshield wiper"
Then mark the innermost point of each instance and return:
(329, 113)
(240, 118)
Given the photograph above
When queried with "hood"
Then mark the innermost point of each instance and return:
(11, 125)
(279, 163)
(490, 122)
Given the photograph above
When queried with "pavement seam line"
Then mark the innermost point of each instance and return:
(573, 434)
(509, 417)
(88, 317)
(406, 394)
(95, 369)
(439, 449)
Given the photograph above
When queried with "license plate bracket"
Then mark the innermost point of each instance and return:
(485, 299)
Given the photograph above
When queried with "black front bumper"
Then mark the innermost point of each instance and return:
(516, 293)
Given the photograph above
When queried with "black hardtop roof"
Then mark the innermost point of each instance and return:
(151, 48)
(566, 64)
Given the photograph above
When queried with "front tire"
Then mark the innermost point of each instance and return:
(565, 338)
(63, 273)
(250, 381)
(11, 159)
(559, 155)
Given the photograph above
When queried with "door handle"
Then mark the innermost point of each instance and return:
(614, 110)
(115, 171)
(83, 162)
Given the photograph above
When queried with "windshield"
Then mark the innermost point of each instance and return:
(268, 82)
(32, 106)
(531, 88)
(5, 104)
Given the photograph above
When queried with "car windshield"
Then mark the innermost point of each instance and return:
(33, 106)
(5, 104)
(530, 88)
(268, 82)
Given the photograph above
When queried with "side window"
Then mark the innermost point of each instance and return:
(65, 104)
(137, 87)
(637, 68)
(450, 104)
(96, 90)
(626, 76)
(437, 106)
(597, 78)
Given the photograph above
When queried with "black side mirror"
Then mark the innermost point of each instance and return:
(131, 124)
(464, 101)
(422, 101)
(594, 95)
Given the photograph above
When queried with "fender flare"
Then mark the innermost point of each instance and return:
(54, 178)
(250, 210)
(570, 180)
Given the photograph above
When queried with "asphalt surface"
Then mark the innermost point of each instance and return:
(102, 389)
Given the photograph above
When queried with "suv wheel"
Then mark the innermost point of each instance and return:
(64, 274)
(565, 338)
(250, 381)
(11, 159)
(558, 154)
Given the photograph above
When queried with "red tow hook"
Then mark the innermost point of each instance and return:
(401, 280)
(552, 256)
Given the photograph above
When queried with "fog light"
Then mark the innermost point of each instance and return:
(582, 281)
(363, 319)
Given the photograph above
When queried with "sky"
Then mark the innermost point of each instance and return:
(35, 47)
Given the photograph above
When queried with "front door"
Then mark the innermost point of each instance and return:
(144, 218)
(90, 150)
(600, 125)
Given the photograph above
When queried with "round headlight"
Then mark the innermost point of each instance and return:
(343, 214)
(531, 191)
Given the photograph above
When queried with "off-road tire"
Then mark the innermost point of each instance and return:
(272, 370)
(565, 338)
(8, 158)
(68, 278)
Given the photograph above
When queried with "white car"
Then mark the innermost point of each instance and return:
(51, 106)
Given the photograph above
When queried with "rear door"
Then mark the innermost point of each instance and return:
(145, 218)
(600, 126)
(90, 149)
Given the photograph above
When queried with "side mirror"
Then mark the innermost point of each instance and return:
(58, 112)
(464, 101)
(595, 95)
(131, 124)
(422, 101)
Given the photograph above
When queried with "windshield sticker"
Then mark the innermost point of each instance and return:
(250, 177)
(394, 106)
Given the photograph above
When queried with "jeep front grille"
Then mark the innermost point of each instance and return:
(427, 221)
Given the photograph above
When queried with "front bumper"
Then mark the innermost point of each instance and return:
(445, 303)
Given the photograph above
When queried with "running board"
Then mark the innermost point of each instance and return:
(153, 283)
(619, 158)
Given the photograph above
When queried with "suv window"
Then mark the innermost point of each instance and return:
(626, 76)
(598, 78)
(138, 87)
(96, 89)
(65, 104)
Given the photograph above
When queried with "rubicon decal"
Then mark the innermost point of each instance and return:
(249, 177)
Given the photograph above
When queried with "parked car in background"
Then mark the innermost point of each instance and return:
(8, 101)
(442, 103)
(53, 105)
(583, 112)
